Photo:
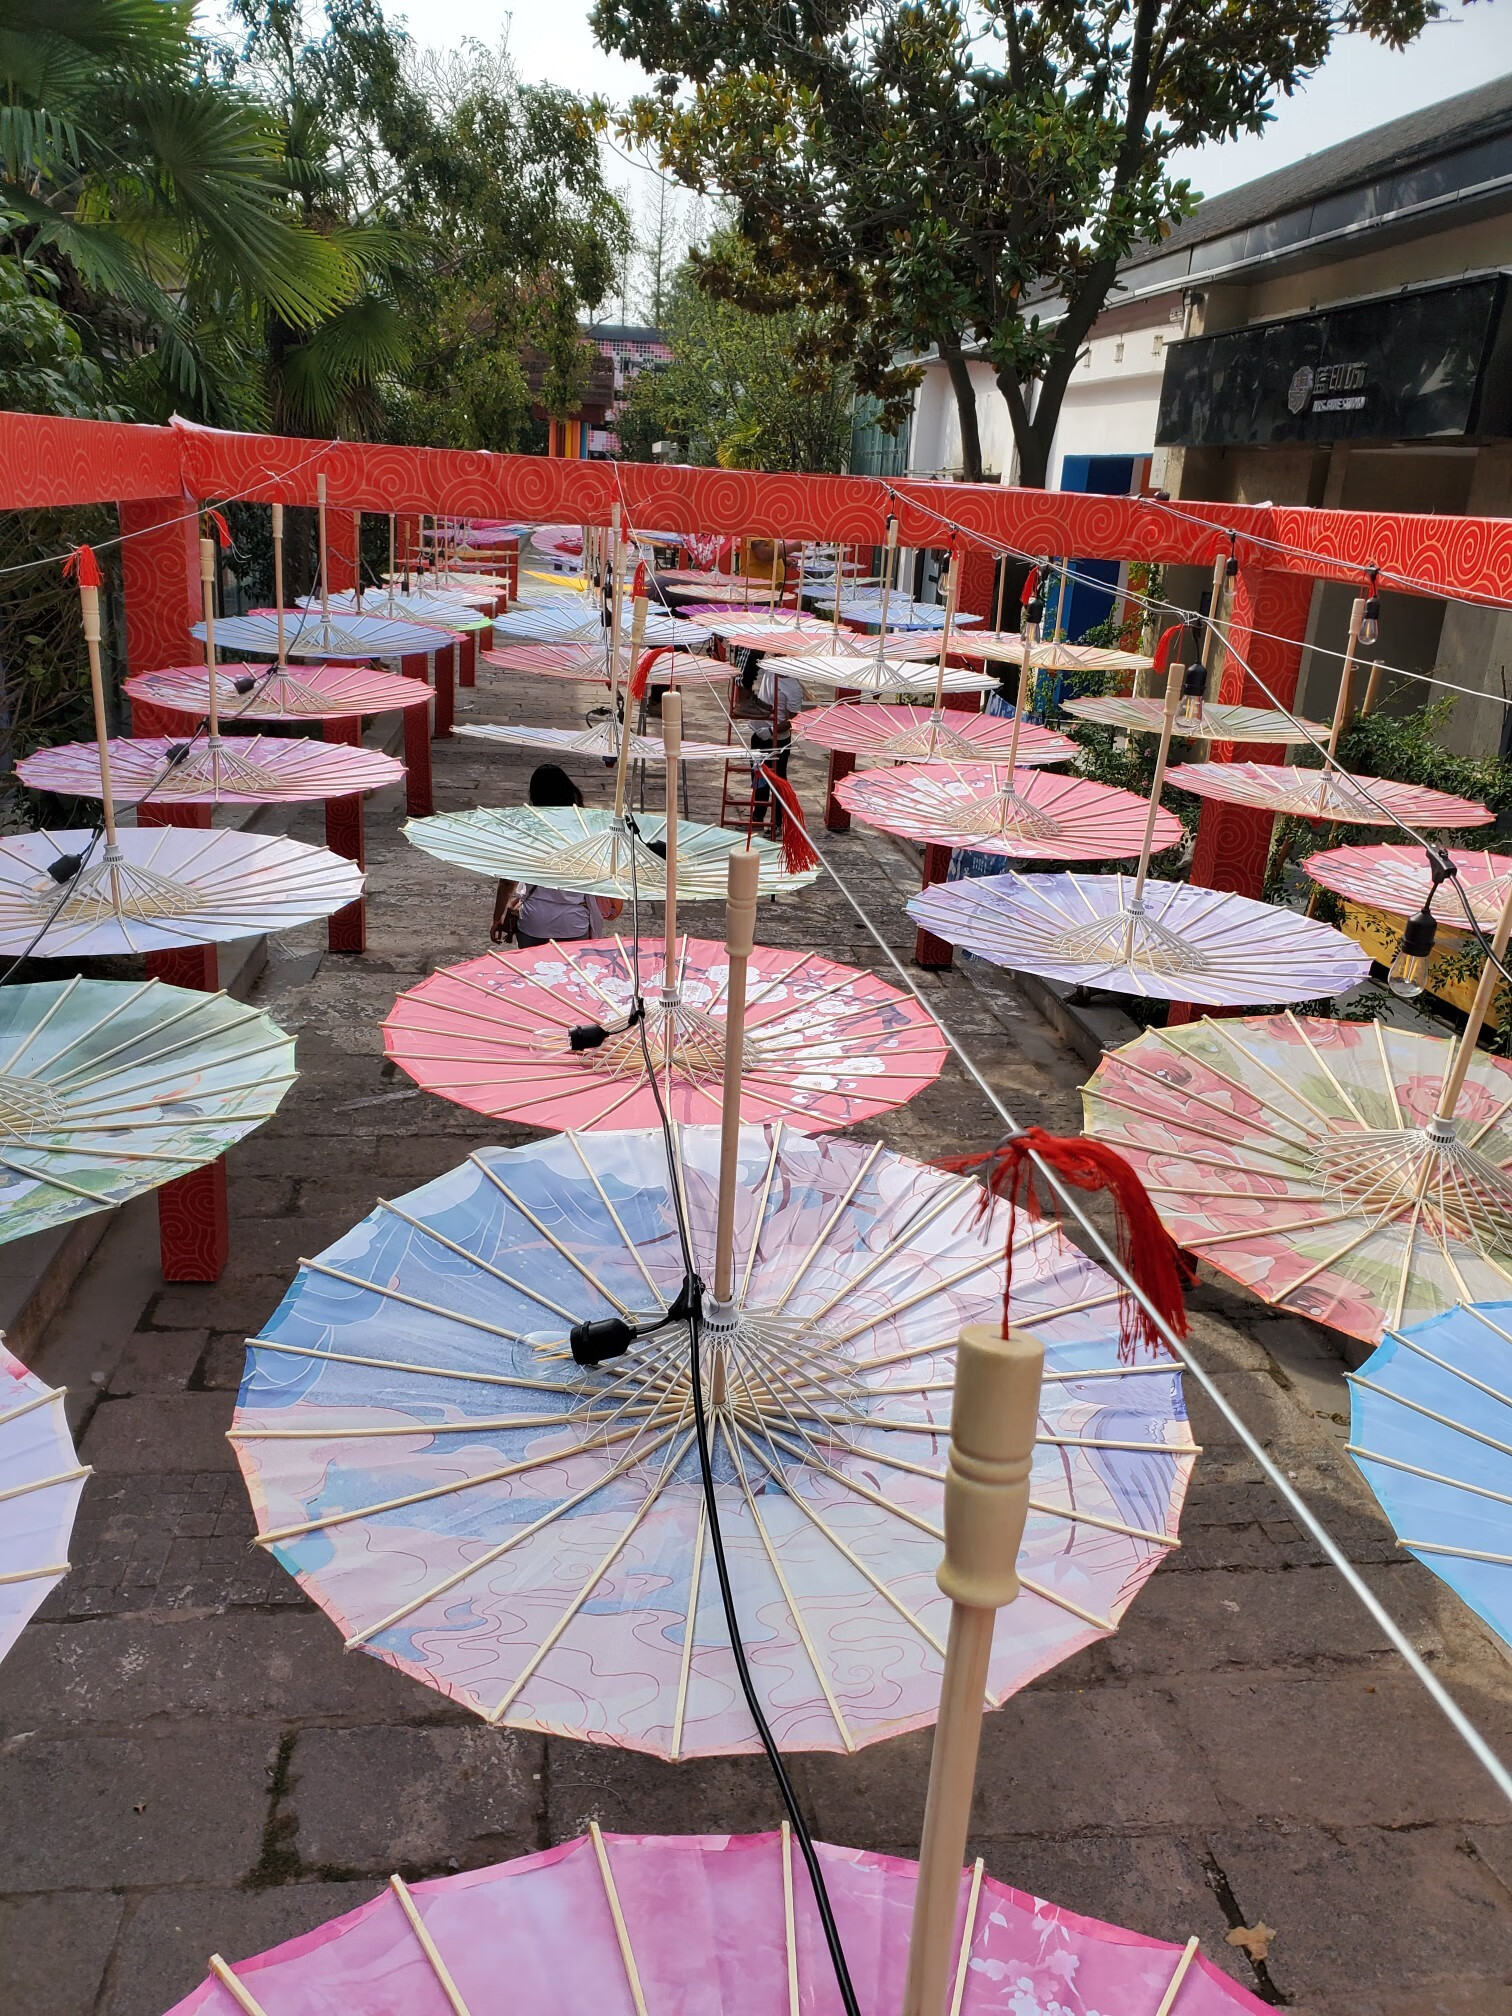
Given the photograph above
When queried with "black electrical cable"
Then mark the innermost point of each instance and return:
(693, 1294)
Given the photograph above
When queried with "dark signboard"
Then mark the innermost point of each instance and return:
(1432, 364)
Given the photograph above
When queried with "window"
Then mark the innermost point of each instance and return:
(1118, 351)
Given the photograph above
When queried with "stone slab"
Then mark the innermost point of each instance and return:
(147, 1435)
(54, 1951)
(165, 1949)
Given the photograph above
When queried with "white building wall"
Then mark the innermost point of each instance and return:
(935, 443)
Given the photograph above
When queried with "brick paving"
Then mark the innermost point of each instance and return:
(190, 1763)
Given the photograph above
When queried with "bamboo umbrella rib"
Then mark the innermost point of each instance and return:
(949, 1193)
(428, 1947)
(89, 1071)
(1071, 1375)
(66, 994)
(690, 1632)
(787, 1595)
(1429, 1414)
(1459, 1553)
(1324, 1120)
(484, 1266)
(1404, 1274)
(789, 1928)
(29, 1406)
(35, 1574)
(1479, 1314)
(1177, 1117)
(563, 1456)
(414, 1301)
(831, 1222)
(1173, 1989)
(631, 1248)
(240, 1995)
(1268, 1231)
(417, 1371)
(487, 1559)
(596, 1575)
(1322, 1063)
(1429, 1476)
(550, 1237)
(1134, 1068)
(759, 1222)
(1495, 1120)
(1331, 1259)
(474, 1424)
(968, 1933)
(621, 1930)
(914, 1623)
(45, 1483)
(51, 1177)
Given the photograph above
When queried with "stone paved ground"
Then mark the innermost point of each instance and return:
(189, 1762)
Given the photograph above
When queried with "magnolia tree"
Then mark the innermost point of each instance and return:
(961, 176)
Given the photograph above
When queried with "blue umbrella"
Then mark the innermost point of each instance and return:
(1431, 1429)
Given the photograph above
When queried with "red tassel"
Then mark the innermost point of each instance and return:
(222, 529)
(638, 585)
(82, 566)
(1030, 588)
(797, 849)
(1150, 1256)
(641, 676)
(1166, 645)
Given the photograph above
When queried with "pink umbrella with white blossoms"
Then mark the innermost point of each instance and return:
(926, 735)
(1327, 794)
(1037, 814)
(1397, 880)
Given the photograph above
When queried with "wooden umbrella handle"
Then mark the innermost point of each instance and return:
(740, 942)
(89, 611)
(671, 727)
(993, 1416)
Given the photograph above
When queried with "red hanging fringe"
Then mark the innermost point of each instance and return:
(640, 677)
(638, 586)
(1166, 645)
(1030, 588)
(797, 849)
(222, 529)
(82, 566)
(1151, 1257)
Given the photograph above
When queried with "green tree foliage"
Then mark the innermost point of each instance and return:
(960, 173)
(744, 391)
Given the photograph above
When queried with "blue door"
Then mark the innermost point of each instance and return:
(1089, 600)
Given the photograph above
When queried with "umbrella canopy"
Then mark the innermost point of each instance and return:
(825, 1045)
(578, 619)
(529, 1538)
(465, 583)
(433, 611)
(305, 633)
(1430, 1425)
(1326, 794)
(1396, 880)
(244, 770)
(311, 693)
(599, 742)
(625, 1924)
(591, 661)
(928, 735)
(866, 673)
(1038, 814)
(1303, 1157)
(902, 610)
(562, 542)
(1050, 655)
(568, 847)
(163, 887)
(41, 1482)
(109, 1088)
(1188, 944)
(1220, 722)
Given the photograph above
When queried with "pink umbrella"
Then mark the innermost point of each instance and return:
(562, 542)
(247, 770)
(825, 1046)
(1037, 815)
(1326, 794)
(922, 735)
(1396, 880)
(626, 1924)
(590, 661)
(1007, 647)
(280, 693)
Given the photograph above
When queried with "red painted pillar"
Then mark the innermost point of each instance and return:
(419, 797)
(836, 818)
(467, 658)
(161, 579)
(1234, 841)
(343, 549)
(446, 691)
(346, 931)
(929, 950)
(194, 1219)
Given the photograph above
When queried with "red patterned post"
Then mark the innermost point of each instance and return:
(419, 797)
(194, 1218)
(1233, 841)
(446, 690)
(929, 950)
(161, 580)
(343, 550)
(347, 930)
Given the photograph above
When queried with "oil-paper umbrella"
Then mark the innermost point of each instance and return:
(281, 693)
(1353, 1172)
(1048, 654)
(530, 1538)
(585, 1929)
(158, 888)
(1037, 813)
(884, 677)
(1218, 721)
(578, 619)
(928, 735)
(598, 741)
(109, 1088)
(1230, 951)
(1430, 1425)
(1327, 794)
(41, 1481)
(1397, 880)
(825, 1045)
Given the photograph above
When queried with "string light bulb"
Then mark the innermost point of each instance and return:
(1193, 692)
(1409, 970)
(1370, 620)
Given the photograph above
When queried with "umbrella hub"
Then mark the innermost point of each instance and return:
(1332, 797)
(215, 766)
(27, 1108)
(116, 887)
(1129, 937)
(686, 1043)
(1429, 1173)
(928, 741)
(1004, 816)
(606, 855)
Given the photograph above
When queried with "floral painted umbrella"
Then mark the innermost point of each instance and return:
(530, 1538)
(41, 1482)
(109, 1088)
(585, 1929)
(281, 693)
(585, 661)
(1353, 1172)
(1007, 647)
(1037, 814)
(598, 742)
(578, 619)
(307, 633)
(825, 1045)
(1219, 721)
(246, 770)
(929, 735)
(885, 676)
(1233, 952)
(1327, 794)
(1397, 880)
